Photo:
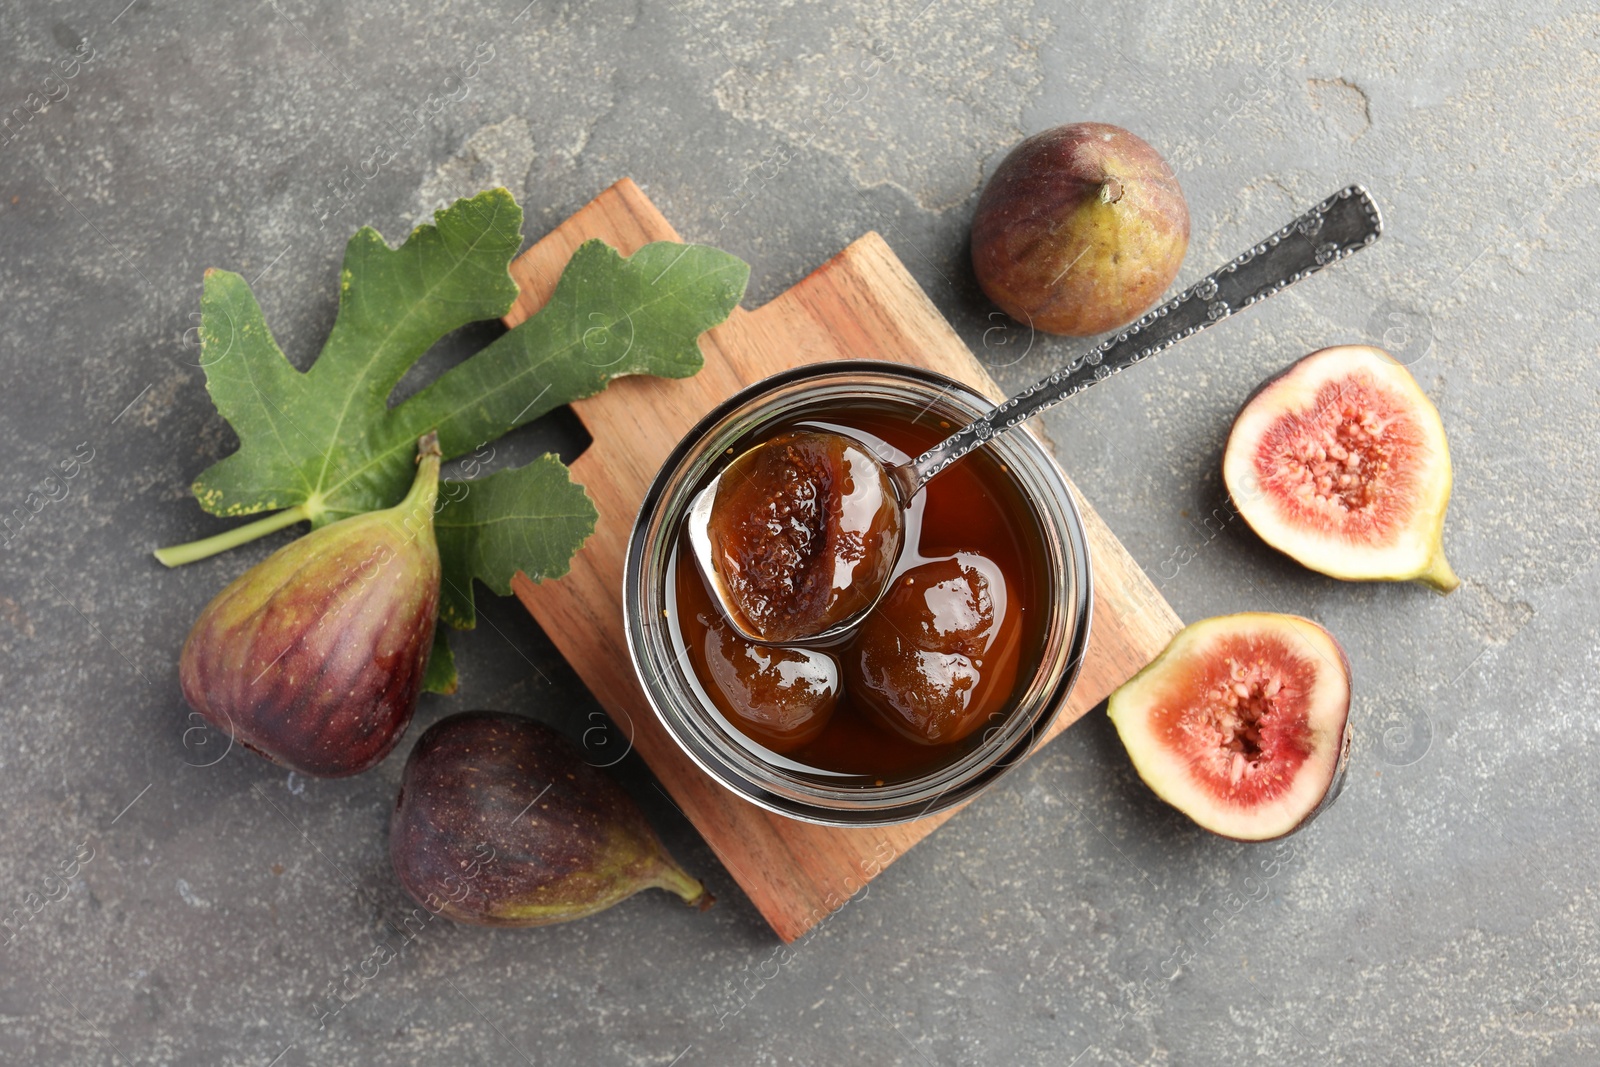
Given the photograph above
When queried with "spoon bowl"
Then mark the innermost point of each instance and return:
(797, 536)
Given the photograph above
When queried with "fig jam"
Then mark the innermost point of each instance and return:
(804, 531)
(940, 661)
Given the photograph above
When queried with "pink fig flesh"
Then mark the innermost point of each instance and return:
(1341, 462)
(1242, 723)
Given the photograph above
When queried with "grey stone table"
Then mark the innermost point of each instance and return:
(1445, 911)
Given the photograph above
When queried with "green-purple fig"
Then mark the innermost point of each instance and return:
(1081, 230)
(315, 656)
(500, 822)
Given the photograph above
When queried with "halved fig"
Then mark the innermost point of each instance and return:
(1242, 723)
(1341, 463)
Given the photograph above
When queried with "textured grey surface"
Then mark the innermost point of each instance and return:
(1445, 911)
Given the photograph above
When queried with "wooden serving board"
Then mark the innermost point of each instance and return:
(861, 303)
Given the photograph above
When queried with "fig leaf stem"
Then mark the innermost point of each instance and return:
(420, 499)
(178, 555)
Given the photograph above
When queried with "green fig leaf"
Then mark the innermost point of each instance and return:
(326, 443)
(310, 438)
(326, 439)
(440, 676)
(531, 518)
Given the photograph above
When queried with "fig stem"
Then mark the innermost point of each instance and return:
(675, 880)
(1110, 191)
(178, 555)
(417, 507)
(1439, 577)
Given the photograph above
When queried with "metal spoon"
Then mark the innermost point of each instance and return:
(1344, 223)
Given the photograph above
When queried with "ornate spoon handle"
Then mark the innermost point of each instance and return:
(1345, 222)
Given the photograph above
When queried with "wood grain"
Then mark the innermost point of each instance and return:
(861, 303)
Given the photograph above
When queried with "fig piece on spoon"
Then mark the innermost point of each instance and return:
(798, 536)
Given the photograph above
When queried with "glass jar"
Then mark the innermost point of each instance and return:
(763, 777)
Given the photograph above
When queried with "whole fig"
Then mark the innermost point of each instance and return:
(1081, 230)
(315, 656)
(500, 822)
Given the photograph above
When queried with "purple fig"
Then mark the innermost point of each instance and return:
(1081, 230)
(314, 657)
(500, 822)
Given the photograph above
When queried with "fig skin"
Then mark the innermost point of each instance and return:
(500, 822)
(314, 657)
(1415, 469)
(1163, 682)
(1080, 231)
